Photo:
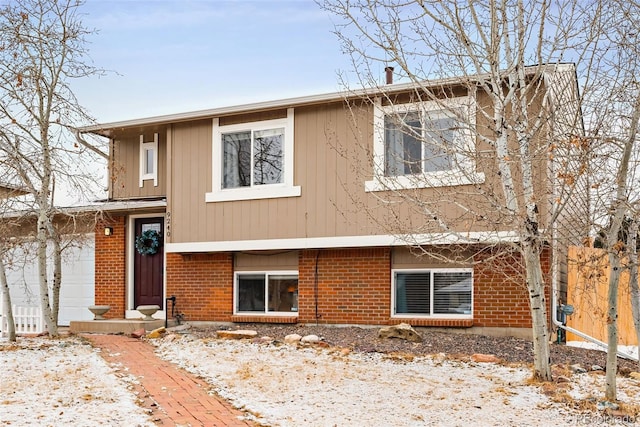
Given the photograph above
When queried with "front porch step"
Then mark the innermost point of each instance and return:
(113, 326)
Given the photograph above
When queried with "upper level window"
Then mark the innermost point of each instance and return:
(423, 145)
(149, 160)
(415, 143)
(253, 160)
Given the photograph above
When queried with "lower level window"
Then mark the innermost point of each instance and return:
(432, 292)
(266, 293)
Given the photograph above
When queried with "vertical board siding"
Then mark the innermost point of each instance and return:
(588, 293)
(126, 167)
(191, 179)
(332, 161)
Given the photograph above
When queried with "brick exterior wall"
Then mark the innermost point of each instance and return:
(110, 267)
(202, 284)
(500, 292)
(353, 286)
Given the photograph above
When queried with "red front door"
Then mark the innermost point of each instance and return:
(148, 268)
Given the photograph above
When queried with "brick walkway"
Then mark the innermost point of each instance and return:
(176, 397)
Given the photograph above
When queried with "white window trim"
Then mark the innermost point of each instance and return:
(153, 146)
(466, 175)
(268, 191)
(429, 316)
(264, 313)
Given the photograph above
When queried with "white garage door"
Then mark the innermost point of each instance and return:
(77, 291)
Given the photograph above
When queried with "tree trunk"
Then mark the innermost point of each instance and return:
(57, 273)
(634, 290)
(537, 302)
(612, 327)
(6, 301)
(42, 272)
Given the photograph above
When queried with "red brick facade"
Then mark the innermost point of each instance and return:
(348, 286)
(500, 293)
(110, 267)
(353, 286)
(202, 284)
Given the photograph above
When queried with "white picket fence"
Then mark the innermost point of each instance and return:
(28, 320)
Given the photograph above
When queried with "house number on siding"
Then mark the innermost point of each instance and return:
(168, 225)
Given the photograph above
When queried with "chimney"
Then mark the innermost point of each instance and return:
(389, 74)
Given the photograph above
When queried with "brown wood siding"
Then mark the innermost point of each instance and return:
(269, 261)
(332, 162)
(125, 173)
(191, 172)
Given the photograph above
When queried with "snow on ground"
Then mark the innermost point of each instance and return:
(286, 386)
(66, 383)
(630, 350)
(63, 383)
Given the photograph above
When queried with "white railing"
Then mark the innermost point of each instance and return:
(28, 320)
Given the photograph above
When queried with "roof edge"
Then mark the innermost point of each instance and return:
(102, 128)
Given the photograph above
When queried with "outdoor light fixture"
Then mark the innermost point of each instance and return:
(108, 231)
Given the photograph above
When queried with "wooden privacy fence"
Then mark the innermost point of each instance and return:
(587, 291)
(28, 320)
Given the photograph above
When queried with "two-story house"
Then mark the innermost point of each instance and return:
(291, 211)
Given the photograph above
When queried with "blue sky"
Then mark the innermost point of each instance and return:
(168, 56)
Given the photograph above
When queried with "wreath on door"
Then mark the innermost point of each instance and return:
(148, 242)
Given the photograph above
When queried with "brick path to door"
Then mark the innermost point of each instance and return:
(176, 397)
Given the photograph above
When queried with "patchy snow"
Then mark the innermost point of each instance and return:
(66, 382)
(289, 386)
(629, 350)
(63, 383)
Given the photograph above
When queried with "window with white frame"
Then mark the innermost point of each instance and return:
(435, 292)
(266, 292)
(426, 144)
(253, 160)
(149, 160)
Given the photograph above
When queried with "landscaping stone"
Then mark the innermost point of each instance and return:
(292, 339)
(179, 328)
(138, 333)
(263, 340)
(403, 331)
(310, 339)
(484, 358)
(597, 368)
(157, 333)
(577, 369)
(236, 335)
(635, 375)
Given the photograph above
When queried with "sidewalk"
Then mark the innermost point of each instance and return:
(181, 399)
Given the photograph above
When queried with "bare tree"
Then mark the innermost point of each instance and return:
(612, 113)
(523, 120)
(43, 49)
(634, 289)
(6, 302)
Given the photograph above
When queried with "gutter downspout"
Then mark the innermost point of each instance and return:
(589, 338)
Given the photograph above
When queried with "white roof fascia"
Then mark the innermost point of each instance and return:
(303, 100)
(128, 205)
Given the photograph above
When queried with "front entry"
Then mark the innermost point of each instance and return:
(148, 266)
